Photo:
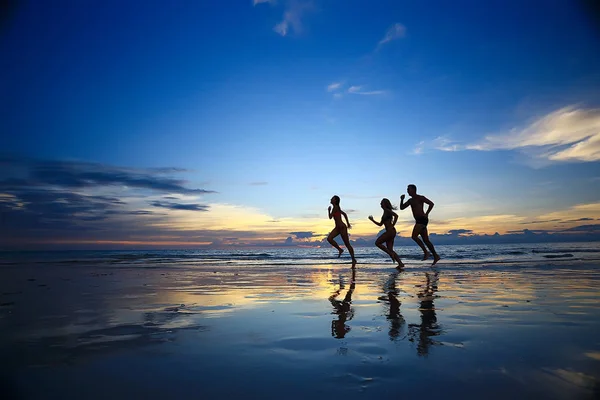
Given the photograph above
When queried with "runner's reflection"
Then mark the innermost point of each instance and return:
(392, 306)
(342, 308)
(425, 332)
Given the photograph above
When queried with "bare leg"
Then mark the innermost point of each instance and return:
(415, 236)
(425, 236)
(346, 240)
(380, 243)
(332, 242)
(395, 257)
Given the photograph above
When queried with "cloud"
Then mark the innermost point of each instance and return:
(180, 206)
(77, 175)
(594, 228)
(577, 220)
(394, 32)
(543, 221)
(292, 18)
(302, 235)
(66, 199)
(419, 148)
(353, 89)
(568, 134)
(361, 91)
(55, 213)
(441, 143)
(334, 86)
(74, 204)
(444, 144)
(259, 183)
(576, 213)
(255, 2)
(459, 232)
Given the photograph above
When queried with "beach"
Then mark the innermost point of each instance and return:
(271, 324)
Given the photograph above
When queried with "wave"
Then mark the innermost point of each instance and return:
(299, 256)
(575, 250)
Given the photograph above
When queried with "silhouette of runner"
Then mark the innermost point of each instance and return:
(388, 219)
(416, 203)
(340, 228)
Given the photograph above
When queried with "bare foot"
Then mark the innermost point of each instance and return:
(425, 256)
(436, 258)
(400, 267)
(340, 252)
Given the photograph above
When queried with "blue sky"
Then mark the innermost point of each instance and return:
(274, 106)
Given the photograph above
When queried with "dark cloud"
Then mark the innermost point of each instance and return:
(540, 221)
(530, 231)
(180, 206)
(141, 212)
(457, 232)
(585, 228)
(302, 235)
(75, 175)
(59, 200)
(577, 220)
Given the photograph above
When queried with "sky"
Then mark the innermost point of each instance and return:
(232, 123)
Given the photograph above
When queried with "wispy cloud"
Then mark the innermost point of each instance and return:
(255, 2)
(332, 87)
(179, 206)
(419, 148)
(446, 144)
(292, 18)
(394, 32)
(568, 134)
(336, 89)
(360, 90)
(259, 183)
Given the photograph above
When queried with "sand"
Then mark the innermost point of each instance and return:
(478, 331)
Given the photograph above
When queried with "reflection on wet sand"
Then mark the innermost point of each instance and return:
(232, 322)
(425, 332)
(392, 305)
(342, 308)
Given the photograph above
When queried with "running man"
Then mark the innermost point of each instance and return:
(416, 203)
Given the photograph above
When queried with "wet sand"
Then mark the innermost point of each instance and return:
(492, 331)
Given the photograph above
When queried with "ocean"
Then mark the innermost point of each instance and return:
(452, 255)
